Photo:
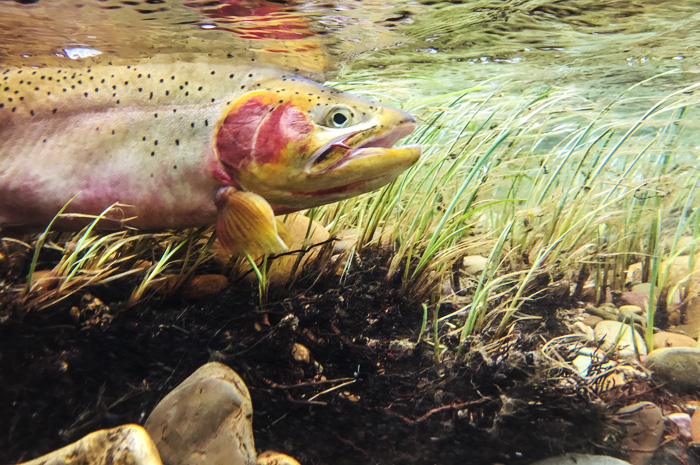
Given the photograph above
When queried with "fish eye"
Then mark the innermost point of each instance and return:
(339, 117)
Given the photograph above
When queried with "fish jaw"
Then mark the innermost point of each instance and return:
(307, 145)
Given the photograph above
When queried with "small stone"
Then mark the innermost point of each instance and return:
(346, 239)
(474, 264)
(300, 353)
(124, 445)
(630, 341)
(644, 430)
(165, 285)
(695, 426)
(682, 423)
(275, 458)
(677, 367)
(633, 309)
(639, 299)
(634, 273)
(643, 288)
(581, 459)
(668, 339)
(584, 330)
(44, 280)
(203, 286)
(591, 320)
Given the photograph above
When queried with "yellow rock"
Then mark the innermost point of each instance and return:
(300, 353)
(695, 426)
(124, 445)
(678, 272)
(303, 233)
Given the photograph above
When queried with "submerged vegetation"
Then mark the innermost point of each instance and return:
(548, 185)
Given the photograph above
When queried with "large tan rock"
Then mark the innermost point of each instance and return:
(667, 339)
(207, 420)
(677, 367)
(124, 445)
(644, 430)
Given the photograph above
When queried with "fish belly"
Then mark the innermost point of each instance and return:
(154, 163)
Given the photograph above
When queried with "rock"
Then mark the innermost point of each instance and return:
(591, 320)
(668, 339)
(695, 426)
(682, 424)
(692, 318)
(581, 459)
(300, 353)
(474, 264)
(634, 274)
(644, 430)
(303, 233)
(677, 367)
(274, 458)
(346, 239)
(679, 274)
(585, 331)
(124, 445)
(631, 309)
(207, 420)
(630, 341)
(643, 288)
(638, 299)
(204, 286)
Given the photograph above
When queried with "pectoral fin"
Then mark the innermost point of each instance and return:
(246, 223)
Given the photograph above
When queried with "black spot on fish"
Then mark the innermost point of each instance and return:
(230, 76)
(187, 94)
(86, 94)
(54, 111)
(144, 138)
(153, 154)
(172, 78)
(167, 92)
(242, 87)
(44, 141)
(140, 89)
(213, 100)
(155, 115)
(192, 125)
(199, 88)
(213, 73)
(112, 131)
(177, 141)
(155, 142)
(31, 112)
(206, 122)
(150, 96)
(174, 167)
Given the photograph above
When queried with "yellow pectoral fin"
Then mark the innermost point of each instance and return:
(246, 223)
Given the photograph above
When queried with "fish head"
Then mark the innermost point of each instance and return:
(299, 144)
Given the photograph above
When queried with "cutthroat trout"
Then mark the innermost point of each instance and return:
(187, 144)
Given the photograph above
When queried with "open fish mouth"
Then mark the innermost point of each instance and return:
(357, 145)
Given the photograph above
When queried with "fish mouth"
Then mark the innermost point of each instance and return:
(357, 145)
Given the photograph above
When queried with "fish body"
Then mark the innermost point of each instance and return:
(187, 144)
